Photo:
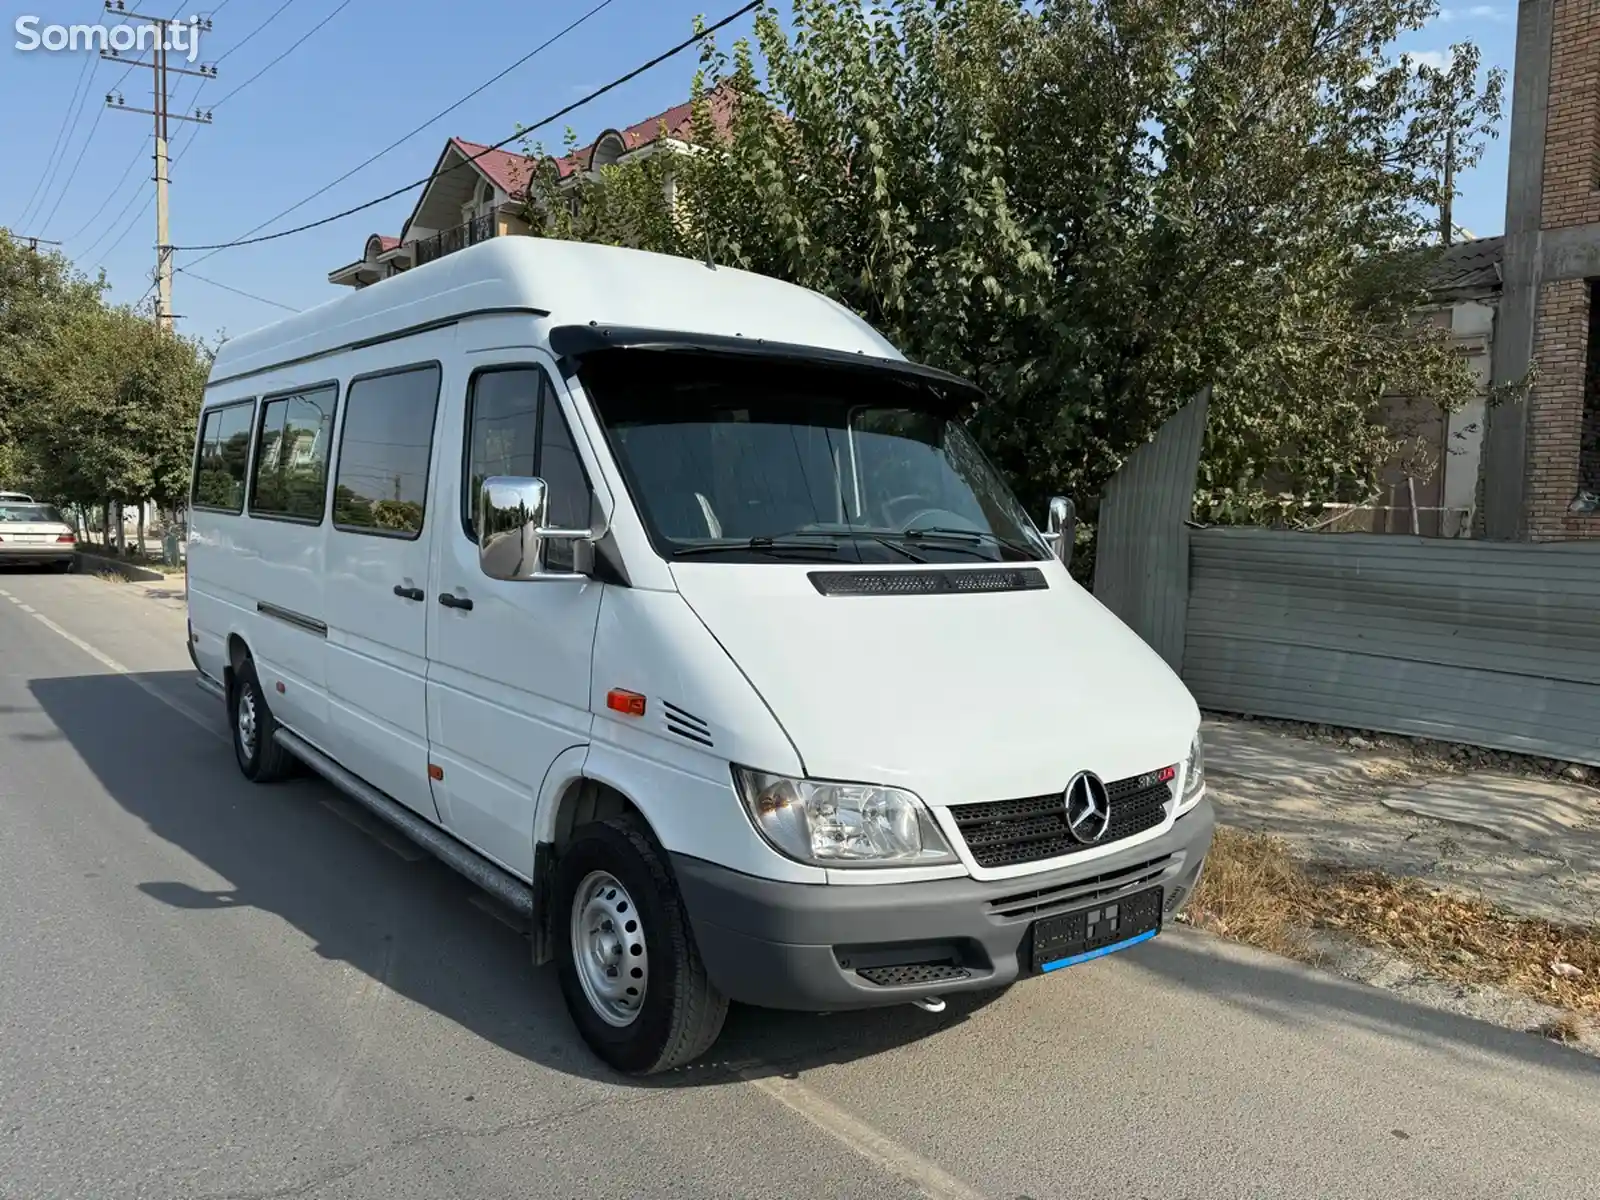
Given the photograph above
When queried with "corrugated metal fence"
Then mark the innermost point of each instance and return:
(1141, 562)
(1491, 643)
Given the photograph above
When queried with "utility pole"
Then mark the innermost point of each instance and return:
(1447, 201)
(162, 43)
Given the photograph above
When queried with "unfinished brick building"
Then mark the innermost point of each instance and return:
(1541, 463)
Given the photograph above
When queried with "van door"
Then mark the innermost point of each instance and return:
(376, 588)
(508, 671)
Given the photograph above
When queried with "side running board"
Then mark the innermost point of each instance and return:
(505, 887)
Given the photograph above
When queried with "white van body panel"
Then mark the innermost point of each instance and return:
(377, 664)
(508, 681)
(484, 720)
(881, 689)
(653, 643)
(570, 283)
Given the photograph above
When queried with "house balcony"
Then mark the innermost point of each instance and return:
(448, 241)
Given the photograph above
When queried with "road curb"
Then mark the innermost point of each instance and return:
(87, 561)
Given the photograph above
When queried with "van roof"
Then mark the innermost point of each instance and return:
(569, 283)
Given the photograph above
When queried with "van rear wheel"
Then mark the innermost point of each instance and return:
(625, 954)
(260, 757)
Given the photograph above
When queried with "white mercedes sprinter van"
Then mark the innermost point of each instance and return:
(672, 605)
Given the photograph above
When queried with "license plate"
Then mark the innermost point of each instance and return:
(1077, 937)
(32, 537)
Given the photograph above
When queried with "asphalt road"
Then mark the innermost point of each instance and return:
(214, 990)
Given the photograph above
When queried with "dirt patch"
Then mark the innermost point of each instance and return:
(1430, 754)
(1255, 890)
(1530, 846)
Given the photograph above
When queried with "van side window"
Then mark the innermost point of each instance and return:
(381, 485)
(291, 474)
(516, 427)
(222, 458)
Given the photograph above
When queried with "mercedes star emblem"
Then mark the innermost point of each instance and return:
(1088, 808)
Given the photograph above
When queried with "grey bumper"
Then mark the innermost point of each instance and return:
(20, 553)
(804, 946)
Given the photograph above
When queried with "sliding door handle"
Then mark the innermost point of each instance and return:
(450, 600)
(409, 593)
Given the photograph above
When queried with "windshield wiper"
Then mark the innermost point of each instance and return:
(973, 537)
(788, 543)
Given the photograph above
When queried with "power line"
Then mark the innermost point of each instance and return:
(216, 247)
(76, 163)
(112, 224)
(245, 40)
(236, 291)
(52, 162)
(438, 116)
(137, 153)
(83, 149)
(303, 38)
(105, 202)
(191, 130)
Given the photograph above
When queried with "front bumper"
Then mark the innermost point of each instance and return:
(806, 946)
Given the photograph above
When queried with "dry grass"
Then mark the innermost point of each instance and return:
(1256, 891)
(1566, 1028)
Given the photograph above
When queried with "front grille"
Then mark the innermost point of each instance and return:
(1004, 833)
(912, 973)
(1080, 891)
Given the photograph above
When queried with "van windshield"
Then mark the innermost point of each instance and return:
(769, 461)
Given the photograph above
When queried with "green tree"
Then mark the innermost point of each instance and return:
(97, 404)
(1093, 208)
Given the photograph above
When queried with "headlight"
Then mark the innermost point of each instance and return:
(1194, 774)
(841, 824)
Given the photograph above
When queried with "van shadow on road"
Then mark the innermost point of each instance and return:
(415, 925)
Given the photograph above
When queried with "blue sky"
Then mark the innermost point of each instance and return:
(371, 72)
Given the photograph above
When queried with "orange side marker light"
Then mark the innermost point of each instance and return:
(629, 704)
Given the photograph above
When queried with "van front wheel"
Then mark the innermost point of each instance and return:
(625, 955)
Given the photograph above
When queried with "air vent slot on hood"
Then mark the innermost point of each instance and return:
(926, 583)
(685, 724)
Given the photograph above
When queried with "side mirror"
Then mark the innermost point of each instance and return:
(1061, 528)
(512, 531)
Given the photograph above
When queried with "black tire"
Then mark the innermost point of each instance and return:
(263, 760)
(62, 567)
(681, 1013)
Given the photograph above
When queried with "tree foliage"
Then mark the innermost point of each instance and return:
(1094, 208)
(96, 403)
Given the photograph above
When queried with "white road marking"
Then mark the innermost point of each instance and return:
(932, 1180)
(106, 660)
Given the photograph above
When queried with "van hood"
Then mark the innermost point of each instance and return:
(959, 697)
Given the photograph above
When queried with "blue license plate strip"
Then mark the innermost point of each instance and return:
(1093, 932)
(1100, 953)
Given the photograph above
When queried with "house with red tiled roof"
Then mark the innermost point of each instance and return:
(478, 193)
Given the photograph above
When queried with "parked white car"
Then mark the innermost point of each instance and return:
(15, 498)
(675, 607)
(35, 535)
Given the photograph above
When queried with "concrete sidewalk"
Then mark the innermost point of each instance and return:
(1529, 844)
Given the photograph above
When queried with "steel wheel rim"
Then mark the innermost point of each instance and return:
(608, 949)
(247, 722)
